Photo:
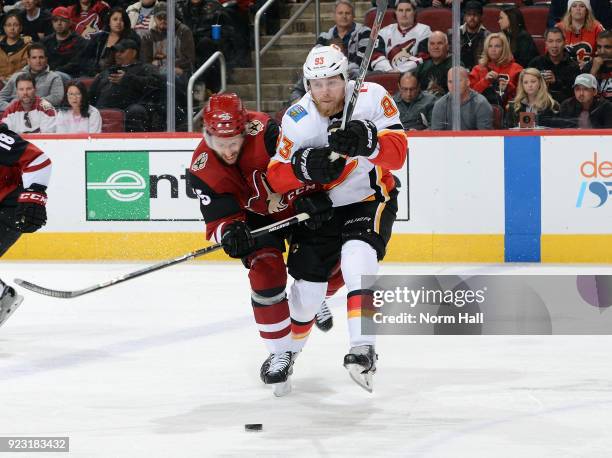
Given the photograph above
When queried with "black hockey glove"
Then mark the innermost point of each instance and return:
(359, 138)
(313, 165)
(318, 206)
(31, 213)
(237, 240)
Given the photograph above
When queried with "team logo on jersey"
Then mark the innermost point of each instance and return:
(297, 112)
(253, 127)
(200, 162)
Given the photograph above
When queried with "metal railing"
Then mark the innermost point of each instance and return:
(205, 66)
(259, 53)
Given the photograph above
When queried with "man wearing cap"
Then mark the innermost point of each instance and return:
(155, 41)
(585, 110)
(64, 46)
(49, 84)
(131, 85)
(472, 33)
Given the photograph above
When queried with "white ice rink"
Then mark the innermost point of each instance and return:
(168, 366)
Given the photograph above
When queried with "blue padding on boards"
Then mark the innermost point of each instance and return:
(523, 199)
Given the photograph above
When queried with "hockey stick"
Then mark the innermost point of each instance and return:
(161, 265)
(381, 8)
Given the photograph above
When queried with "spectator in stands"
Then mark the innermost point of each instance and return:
(141, 15)
(601, 65)
(88, 16)
(558, 70)
(415, 106)
(399, 42)
(36, 21)
(512, 23)
(581, 30)
(132, 86)
(13, 47)
(354, 35)
(98, 54)
(601, 10)
(585, 110)
(472, 32)
(64, 47)
(29, 113)
(432, 73)
(532, 96)
(154, 44)
(496, 76)
(476, 112)
(80, 117)
(49, 84)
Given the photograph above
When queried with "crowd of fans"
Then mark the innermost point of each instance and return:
(504, 81)
(62, 62)
(81, 57)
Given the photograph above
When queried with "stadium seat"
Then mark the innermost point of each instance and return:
(540, 42)
(87, 82)
(436, 18)
(498, 117)
(535, 19)
(490, 18)
(278, 116)
(387, 80)
(112, 120)
(389, 17)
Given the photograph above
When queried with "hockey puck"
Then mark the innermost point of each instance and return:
(253, 427)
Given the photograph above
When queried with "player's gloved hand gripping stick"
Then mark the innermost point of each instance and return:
(381, 8)
(161, 265)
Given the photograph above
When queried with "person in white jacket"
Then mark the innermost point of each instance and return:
(400, 41)
(81, 117)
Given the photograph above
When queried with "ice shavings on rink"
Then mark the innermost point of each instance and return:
(168, 365)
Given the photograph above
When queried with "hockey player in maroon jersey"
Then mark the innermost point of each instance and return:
(24, 176)
(227, 173)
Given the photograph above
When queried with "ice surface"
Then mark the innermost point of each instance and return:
(168, 366)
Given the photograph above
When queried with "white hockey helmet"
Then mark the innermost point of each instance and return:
(323, 62)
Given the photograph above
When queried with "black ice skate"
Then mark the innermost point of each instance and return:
(279, 368)
(9, 301)
(361, 364)
(324, 319)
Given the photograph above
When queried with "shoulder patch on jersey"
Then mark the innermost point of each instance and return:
(200, 162)
(297, 112)
(254, 126)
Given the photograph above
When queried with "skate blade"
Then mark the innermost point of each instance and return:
(5, 315)
(282, 389)
(364, 380)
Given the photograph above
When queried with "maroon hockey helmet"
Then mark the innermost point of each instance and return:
(225, 115)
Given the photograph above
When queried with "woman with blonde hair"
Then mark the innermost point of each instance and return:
(496, 75)
(532, 96)
(580, 29)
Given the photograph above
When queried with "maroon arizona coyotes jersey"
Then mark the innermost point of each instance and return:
(21, 164)
(227, 192)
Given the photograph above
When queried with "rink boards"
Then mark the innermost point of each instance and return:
(502, 196)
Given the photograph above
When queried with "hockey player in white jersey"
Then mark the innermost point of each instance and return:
(400, 40)
(360, 185)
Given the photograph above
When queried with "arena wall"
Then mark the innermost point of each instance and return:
(500, 196)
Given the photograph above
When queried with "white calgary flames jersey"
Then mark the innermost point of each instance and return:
(363, 177)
